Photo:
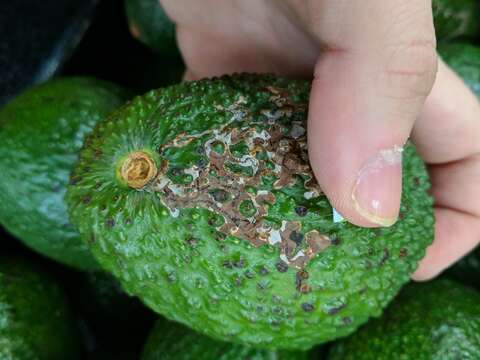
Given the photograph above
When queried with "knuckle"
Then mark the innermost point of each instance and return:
(410, 69)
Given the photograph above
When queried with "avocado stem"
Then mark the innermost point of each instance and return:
(138, 169)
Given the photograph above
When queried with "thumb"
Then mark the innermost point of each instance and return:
(367, 92)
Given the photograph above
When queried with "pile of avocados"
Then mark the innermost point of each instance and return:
(185, 222)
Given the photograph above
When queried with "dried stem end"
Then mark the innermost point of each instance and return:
(138, 169)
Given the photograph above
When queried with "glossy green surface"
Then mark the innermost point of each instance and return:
(456, 18)
(465, 60)
(150, 24)
(172, 341)
(439, 320)
(181, 261)
(42, 131)
(35, 321)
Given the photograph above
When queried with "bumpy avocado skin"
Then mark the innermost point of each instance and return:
(172, 341)
(150, 24)
(455, 18)
(42, 131)
(465, 60)
(439, 320)
(183, 267)
(35, 321)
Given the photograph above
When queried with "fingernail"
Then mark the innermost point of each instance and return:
(377, 191)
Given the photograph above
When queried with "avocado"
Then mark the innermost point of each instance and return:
(149, 23)
(465, 60)
(172, 341)
(42, 131)
(439, 320)
(455, 18)
(200, 199)
(35, 319)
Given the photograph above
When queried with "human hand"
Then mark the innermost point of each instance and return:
(375, 84)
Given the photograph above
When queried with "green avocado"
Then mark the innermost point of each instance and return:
(35, 320)
(439, 320)
(465, 60)
(455, 18)
(200, 199)
(150, 24)
(172, 341)
(42, 131)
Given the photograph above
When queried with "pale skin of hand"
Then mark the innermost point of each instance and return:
(377, 82)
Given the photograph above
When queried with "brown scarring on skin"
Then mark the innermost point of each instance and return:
(287, 158)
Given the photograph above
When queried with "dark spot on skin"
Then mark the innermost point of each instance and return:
(263, 271)
(74, 180)
(191, 241)
(370, 251)
(296, 237)
(200, 150)
(275, 299)
(249, 274)
(403, 252)
(386, 255)
(110, 223)
(97, 185)
(363, 290)
(239, 263)
(300, 282)
(87, 199)
(176, 172)
(56, 188)
(275, 323)
(171, 277)
(346, 320)
(301, 210)
(281, 266)
(401, 215)
(260, 309)
(238, 281)
(336, 310)
(307, 307)
(416, 181)
(98, 153)
(103, 207)
(128, 222)
(202, 163)
(87, 169)
(116, 197)
(227, 264)
(261, 286)
(368, 264)
(336, 240)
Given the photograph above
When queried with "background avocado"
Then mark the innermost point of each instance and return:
(42, 131)
(35, 320)
(467, 270)
(201, 201)
(149, 23)
(465, 60)
(439, 320)
(456, 18)
(172, 341)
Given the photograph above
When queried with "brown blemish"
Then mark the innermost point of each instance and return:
(272, 151)
(138, 169)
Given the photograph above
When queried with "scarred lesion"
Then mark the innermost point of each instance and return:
(230, 182)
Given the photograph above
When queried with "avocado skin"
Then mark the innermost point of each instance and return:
(35, 320)
(172, 341)
(465, 60)
(151, 25)
(455, 18)
(223, 286)
(438, 320)
(42, 131)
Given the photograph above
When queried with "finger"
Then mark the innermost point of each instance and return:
(447, 135)
(456, 234)
(369, 87)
